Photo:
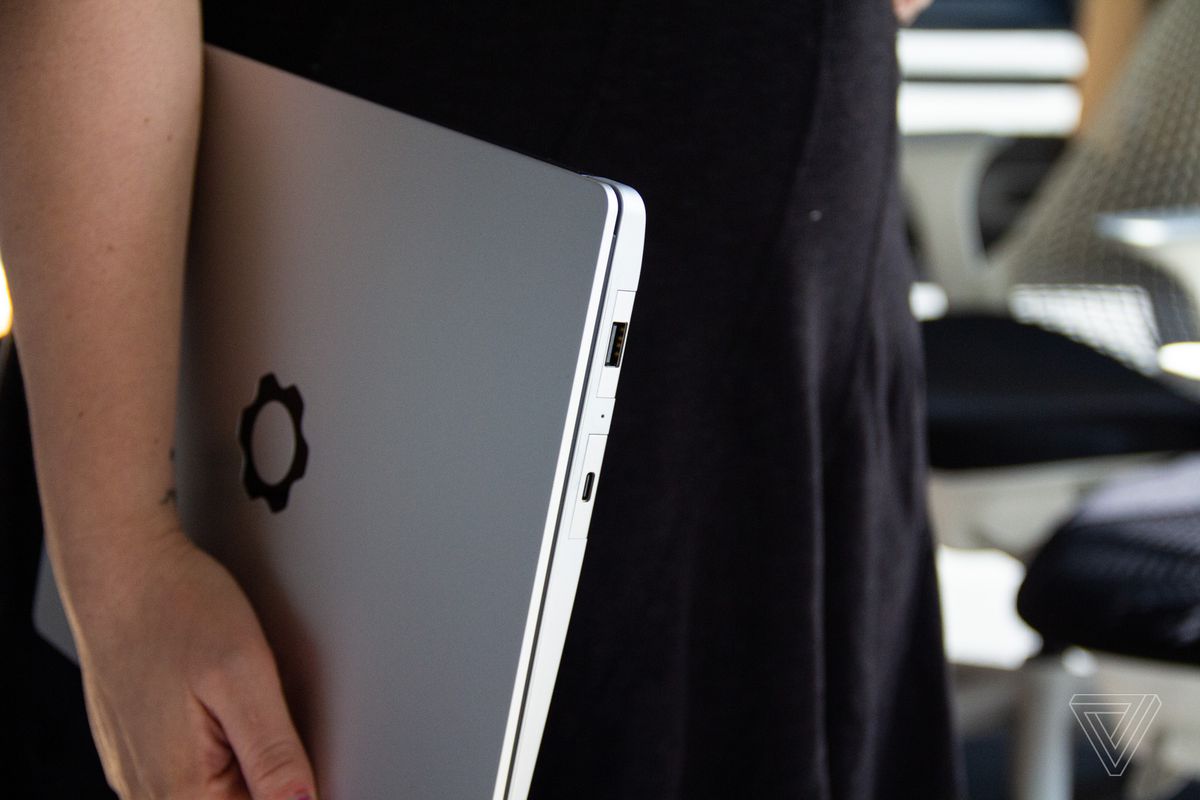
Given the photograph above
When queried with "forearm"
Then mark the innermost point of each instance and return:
(98, 132)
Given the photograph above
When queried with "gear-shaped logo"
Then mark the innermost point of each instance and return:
(270, 391)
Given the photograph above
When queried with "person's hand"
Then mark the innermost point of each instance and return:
(101, 116)
(182, 691)
(907, 11)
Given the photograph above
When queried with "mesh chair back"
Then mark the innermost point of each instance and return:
(1142, 152)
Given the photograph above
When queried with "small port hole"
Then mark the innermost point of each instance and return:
(588, 482)
(616, 344)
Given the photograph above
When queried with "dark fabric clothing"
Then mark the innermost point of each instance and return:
(757, 614)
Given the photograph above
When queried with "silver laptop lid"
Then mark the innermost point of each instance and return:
(398, 324)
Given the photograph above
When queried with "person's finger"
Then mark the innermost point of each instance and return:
(252, 712)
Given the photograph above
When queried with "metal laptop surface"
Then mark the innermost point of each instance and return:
(393, 382)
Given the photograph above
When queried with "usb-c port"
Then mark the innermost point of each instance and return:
(616, 344)
(588, 482)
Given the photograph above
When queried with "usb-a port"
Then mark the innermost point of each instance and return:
(616, 344)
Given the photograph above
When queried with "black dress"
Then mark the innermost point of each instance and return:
(757, 615)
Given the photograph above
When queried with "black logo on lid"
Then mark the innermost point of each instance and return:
(270, 391)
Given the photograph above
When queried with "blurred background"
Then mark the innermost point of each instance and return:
(1051, 162)
(1051, 157)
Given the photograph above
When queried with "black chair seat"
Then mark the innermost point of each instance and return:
(1002, 393)
(1123, 576)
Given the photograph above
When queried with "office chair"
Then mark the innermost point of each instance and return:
(1046, 381)
(1067, 388)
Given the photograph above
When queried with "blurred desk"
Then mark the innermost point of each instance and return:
(989, 109)
(1012, 55)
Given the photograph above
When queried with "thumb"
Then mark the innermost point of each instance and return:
(255, 719)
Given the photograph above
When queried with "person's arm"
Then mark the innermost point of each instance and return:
(101, 105)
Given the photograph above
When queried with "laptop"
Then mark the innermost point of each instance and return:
(401, 355)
